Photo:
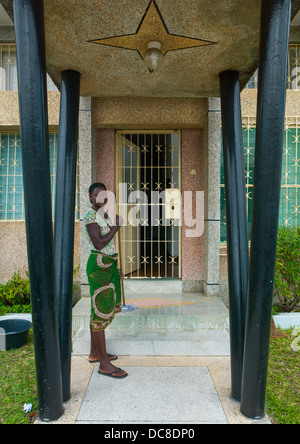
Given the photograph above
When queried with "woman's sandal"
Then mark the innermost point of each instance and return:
(114, 374)
(110, 357)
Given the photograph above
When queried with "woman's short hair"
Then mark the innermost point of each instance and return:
(96, 185)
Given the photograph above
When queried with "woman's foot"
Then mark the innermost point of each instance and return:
(95, 359)
(112, 371)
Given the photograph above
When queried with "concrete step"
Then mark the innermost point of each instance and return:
(188, 312)
(157, 286)
(158, 342)
(192, 324)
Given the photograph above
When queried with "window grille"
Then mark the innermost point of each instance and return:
(253, 82)
(290, 188)
(11, 183)
(8, 69)
(293, 77)
(11, 179)
(290, 185)
(293, 80)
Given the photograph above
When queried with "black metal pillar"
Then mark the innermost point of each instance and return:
(30, 41)
(65, 217)
(237, 239)
(274, 40)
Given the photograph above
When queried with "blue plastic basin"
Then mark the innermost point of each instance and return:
(14, 333)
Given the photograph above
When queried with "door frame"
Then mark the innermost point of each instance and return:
(118, 134)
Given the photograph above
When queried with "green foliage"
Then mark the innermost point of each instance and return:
(287, 278)
(18, 384)
(75, 271)
(283, 387)
(4, 309)
(15, 292)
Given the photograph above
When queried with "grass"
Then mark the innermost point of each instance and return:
(18, 383)
(283, 389)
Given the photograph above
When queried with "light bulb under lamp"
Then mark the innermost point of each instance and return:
(153, 57)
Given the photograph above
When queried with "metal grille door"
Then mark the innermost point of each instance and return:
(148, 185)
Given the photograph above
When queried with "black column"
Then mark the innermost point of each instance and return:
(30, 41)
(65, 217)
(274, 40)
(237, 240)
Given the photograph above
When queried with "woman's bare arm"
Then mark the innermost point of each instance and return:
(97, 239)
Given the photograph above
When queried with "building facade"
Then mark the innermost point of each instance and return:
(150, 74)
(153, 144)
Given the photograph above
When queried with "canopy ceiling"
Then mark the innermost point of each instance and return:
(228, 30)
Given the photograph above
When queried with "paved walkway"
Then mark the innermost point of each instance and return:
(177, 375)
(158, 390)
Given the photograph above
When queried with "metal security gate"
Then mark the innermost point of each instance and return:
(148, 186)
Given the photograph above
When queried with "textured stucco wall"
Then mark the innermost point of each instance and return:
(149, 113)
(13, 250)
(249, 102)
(9, 109)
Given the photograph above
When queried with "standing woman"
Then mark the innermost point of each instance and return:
(104, 279)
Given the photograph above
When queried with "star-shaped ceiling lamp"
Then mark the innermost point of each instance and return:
(152, 39)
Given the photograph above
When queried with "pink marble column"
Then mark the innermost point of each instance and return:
(192, 161)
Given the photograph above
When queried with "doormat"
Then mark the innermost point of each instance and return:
(157, 303)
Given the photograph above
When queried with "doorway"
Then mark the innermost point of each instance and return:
(148, 188)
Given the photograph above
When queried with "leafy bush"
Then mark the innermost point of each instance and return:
(16, 291)
(14, 309)
(287, 278)
(15, 294)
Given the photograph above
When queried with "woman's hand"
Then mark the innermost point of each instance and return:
(119, 221)
(122, 275)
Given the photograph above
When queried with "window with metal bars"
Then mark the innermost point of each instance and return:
(11, 180)
(293, 77)
(290, 185)
(8, 69)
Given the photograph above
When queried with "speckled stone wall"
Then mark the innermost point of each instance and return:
(86, 161)
(193, 257)
(104, 168)
(97, 164)
(212, 198)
